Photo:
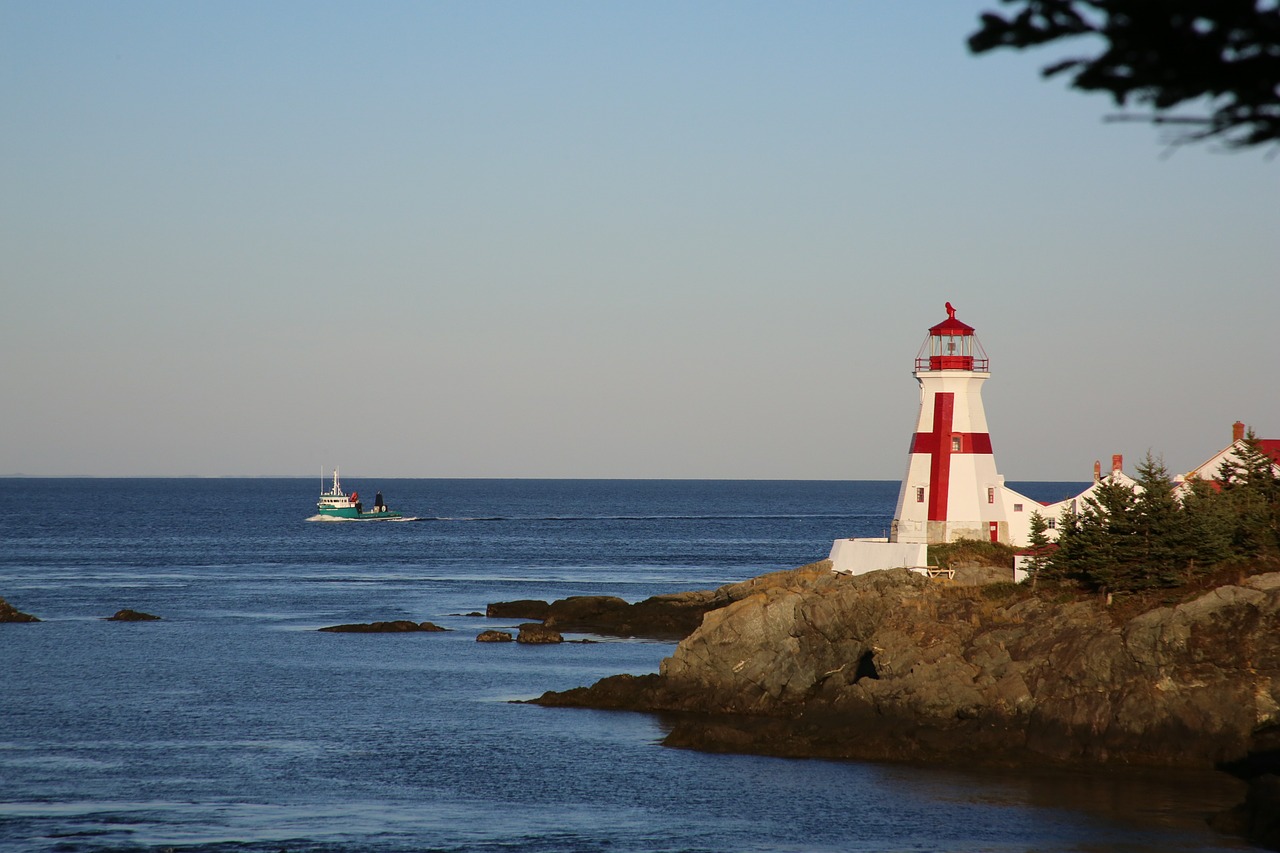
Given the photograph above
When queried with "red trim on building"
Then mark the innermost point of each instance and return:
(940, 457)
(940, 445)
(970, 442)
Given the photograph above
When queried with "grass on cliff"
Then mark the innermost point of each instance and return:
(971, 552)
(1121, 606)
(1126, 605)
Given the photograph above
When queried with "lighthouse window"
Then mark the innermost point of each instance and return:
(991, 496)
(919, 494)
(955, 442)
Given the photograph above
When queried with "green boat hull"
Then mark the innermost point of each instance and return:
(353, 514)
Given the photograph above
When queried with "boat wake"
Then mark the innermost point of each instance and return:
(608, 518)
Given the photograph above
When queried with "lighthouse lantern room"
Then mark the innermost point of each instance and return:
(951, 489)
(952, 345)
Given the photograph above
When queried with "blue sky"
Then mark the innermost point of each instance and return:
(598, 240)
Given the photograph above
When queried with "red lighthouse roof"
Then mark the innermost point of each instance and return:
(951, 327)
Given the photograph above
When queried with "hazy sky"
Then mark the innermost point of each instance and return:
(598, 239)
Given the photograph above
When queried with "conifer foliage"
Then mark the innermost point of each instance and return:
(1221, 57)
(1040, 547)
(1127, 539)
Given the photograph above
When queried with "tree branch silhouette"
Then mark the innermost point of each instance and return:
(1164, 54)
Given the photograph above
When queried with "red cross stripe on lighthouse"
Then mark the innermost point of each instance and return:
(940, 445)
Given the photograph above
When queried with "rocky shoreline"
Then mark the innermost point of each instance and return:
(891, 666)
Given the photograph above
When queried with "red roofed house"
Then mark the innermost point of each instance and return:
(1208, 470)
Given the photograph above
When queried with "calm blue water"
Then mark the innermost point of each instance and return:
(233, 725)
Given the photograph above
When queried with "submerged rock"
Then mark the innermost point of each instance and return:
(127, 615)
(398, 626)
(9, 613)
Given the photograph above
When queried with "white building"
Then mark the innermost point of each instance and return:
(1208, 470)
(1052, 512)
(952, 489)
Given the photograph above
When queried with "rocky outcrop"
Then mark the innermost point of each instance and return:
(533, 633)
(891, 666)
(664, 617)
(127, 615)
(525, 608)
(9, 613)
(494, 637)
(398, 626)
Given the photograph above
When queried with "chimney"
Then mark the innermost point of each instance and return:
(1237, 431)
(1097, 470)
(1117, 462)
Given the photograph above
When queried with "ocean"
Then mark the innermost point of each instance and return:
(233, 724)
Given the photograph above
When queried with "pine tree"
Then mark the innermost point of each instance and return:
(1039, 546)
(1124, 543)
(1125, 539)
(1251, 487)
(1103, 544)
(1161, 552)
(1065, 562)
(1209, 525)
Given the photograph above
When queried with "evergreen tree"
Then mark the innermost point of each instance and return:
(1063, 563)
(1110, 522)
(1124, 539)
(1251, 487)
(1039, 546)
(1157, 521)
(1209, 526)
(1094, 542)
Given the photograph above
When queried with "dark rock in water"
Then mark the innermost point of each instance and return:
(664, 617)
(399, 626)
(128, 615)
(523, 609)
(533, 633)
(494, 637)
(661, 617)
(9, 613)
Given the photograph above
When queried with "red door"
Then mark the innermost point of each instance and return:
(994, 529)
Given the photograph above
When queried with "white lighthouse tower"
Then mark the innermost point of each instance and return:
(951, 490)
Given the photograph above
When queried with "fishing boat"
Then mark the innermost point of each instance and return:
(336, 504)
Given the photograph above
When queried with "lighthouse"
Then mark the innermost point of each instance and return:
(951, 489)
